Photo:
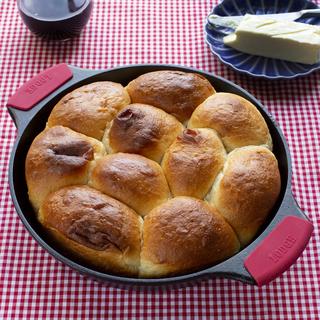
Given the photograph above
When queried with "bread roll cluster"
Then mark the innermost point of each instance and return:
(161, 177)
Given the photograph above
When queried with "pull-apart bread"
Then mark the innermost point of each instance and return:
(162, 177)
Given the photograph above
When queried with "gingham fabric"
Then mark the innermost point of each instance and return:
(35, 286)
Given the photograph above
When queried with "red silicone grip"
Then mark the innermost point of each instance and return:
(40, 86)
(279, 250)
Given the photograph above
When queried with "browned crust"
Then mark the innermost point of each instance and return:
(144, 130)
(248, 189)
(175, 92)
(182, 235)
(58, 157)
(98, 224)
(237, 121)
(193, 161)
(132, 179)
(90, 108)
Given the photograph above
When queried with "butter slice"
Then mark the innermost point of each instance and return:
(286, 40)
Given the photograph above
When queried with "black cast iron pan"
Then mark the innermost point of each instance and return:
(279, 243)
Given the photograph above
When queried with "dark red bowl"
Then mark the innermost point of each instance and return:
(277, 246)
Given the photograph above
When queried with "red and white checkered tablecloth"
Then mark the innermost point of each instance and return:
(35, 286)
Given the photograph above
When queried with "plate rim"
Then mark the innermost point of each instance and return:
(244, 71)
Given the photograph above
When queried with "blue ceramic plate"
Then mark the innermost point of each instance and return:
(250, 64)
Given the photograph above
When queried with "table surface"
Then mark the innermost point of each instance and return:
(35, 286)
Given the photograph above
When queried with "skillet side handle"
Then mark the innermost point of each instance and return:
(22, 104)
(281, 248)
(40, 86)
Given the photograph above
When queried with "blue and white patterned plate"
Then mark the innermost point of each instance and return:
(250, 64)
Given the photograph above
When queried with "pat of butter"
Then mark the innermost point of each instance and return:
(286, 40)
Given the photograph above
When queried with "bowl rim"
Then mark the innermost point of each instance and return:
(244, 71)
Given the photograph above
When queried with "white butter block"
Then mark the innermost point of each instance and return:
(286, 40)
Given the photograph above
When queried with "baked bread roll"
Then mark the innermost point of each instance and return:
(217, 183)
(247, 190)
(237, 121)
(58, 157)
(182, 235)
(102, 231)
(132, 179)
(142, 129)
(175, 92)
(193, 161)
(90, 108)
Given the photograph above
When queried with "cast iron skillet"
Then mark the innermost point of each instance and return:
(279, 243)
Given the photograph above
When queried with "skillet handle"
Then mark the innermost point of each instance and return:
(40, 86)
(35, 90)
(281, 248)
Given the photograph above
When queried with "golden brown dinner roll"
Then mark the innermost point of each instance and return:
(237, 121)
(133, 179)
(193, 161)
(247, 190)
(90, 108)
(58, 157)
(142, 129)
(100, 230)
(182, 235)
(175, 92)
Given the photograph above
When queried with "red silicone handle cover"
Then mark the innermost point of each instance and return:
(40, 86)
(279, 250)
